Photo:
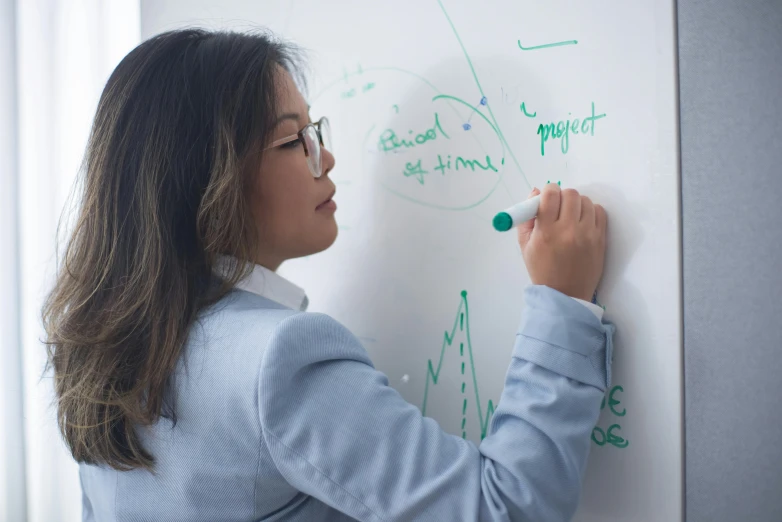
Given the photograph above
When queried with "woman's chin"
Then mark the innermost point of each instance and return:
(327, 235)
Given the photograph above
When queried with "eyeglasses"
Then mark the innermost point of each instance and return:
(313, 136)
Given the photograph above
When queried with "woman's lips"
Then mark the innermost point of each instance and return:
(329, 204)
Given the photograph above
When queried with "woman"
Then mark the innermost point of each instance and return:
(192, 385)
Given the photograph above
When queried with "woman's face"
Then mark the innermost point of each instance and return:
(288, 201)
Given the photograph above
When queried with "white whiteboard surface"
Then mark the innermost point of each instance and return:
(412, 242)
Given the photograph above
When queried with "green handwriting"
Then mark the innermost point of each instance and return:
(602, 437)
(351, 93)
(613, 402)
(546, 46)
(524, 110)
(562, 129)
(389, 141)
(416, 171)
(465, 163)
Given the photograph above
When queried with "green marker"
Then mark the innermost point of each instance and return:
(517, 214)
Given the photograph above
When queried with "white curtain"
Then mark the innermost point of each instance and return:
(11, 435)
(56, 57)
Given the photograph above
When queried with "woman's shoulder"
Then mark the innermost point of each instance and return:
(233, 333)
(310, 340)
(248, 321)
(248, 333)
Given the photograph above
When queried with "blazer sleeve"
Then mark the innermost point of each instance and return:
(337, 431)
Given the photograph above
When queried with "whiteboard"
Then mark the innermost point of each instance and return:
(445, 113)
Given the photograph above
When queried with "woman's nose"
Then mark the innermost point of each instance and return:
(327, 161)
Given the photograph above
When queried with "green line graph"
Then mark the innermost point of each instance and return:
(461, 324)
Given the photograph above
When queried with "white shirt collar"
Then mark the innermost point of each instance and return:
(271, 285)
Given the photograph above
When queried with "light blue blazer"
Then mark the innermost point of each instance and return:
(282, 416)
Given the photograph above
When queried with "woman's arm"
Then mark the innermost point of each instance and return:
(338, 432)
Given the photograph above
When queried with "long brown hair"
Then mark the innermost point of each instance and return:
(177, 133)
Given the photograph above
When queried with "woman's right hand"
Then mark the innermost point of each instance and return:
(564, 246)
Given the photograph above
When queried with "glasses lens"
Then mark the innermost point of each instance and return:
(325, 134)
(313, 148)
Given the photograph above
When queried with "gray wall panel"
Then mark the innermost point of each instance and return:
(730, 74)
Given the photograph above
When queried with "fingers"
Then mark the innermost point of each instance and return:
(601, 219)
(550, 198)
(587, 211)
(525, 229)
(570, 208)
(567, 204)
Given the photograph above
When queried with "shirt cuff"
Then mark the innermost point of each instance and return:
(597, 310)
(562, 336)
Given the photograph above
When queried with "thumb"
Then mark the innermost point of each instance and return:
(524, 230)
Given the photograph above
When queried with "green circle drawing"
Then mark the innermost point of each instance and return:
(451, 101)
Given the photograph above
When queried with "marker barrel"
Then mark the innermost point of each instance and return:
(517, 214)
